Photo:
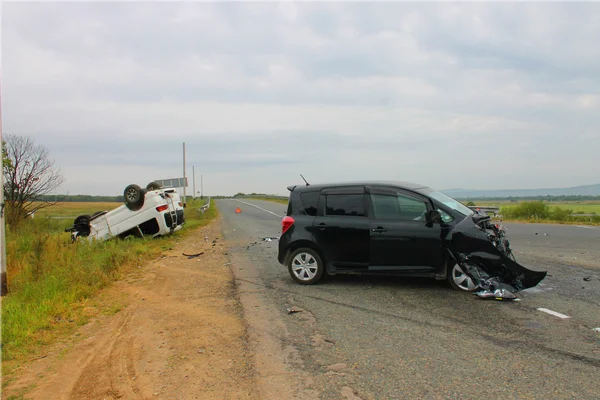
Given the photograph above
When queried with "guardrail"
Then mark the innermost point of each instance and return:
(205, 207)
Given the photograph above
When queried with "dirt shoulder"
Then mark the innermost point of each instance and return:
(179, 334)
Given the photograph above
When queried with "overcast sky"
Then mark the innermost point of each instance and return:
(479, 95)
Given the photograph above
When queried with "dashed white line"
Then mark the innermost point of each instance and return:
(260, 208)
(556, 314)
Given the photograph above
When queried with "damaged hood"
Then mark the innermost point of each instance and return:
(472, 248)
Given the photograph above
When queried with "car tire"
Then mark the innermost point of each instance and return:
(306, 266)
(153, 186)
(460, 281)
(134, 197)
(82, 219)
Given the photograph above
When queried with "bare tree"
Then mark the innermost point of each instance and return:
(29, 174)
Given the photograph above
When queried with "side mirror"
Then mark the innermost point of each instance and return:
(434, 216)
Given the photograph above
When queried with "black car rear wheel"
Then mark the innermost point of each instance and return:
(306, 266)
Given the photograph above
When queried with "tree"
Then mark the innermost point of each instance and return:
(29, 174)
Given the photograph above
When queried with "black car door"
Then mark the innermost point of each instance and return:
(341, 227)
(401, 238)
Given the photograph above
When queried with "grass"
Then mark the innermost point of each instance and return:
(272, 199)
(74, 209)
(548, 212)
(577, 207)
(52, 282)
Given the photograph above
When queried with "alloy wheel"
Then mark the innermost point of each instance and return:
(462, 280)
(305, 266)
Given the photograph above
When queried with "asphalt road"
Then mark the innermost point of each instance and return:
(394, 338)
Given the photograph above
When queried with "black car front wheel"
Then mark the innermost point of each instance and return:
(306, 266)
(459, 280)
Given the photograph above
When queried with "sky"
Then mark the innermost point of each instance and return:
(474, 95)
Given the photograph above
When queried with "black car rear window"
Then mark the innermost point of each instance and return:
(346, 204)
(310, 202)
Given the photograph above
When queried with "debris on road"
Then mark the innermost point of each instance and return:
(498, 294)
(587, 278)
(292, 310)
(193, 255)
(270, 238)
(596, 330)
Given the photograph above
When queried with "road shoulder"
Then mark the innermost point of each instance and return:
(180, 333)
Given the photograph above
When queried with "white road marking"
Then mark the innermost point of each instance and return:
(260, 208)
(559, 315)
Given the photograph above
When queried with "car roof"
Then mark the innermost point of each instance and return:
(398, 184)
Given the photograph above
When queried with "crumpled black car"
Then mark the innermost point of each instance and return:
(396, 228)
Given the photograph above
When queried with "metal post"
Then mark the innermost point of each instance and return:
(3, 283)
(184, 173)
(201, 188)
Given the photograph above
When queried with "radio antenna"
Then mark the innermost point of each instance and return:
(307, 184)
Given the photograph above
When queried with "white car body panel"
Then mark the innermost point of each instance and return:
(122, 221)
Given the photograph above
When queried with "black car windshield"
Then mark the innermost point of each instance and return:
(448, 201)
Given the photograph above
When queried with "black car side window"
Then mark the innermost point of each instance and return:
(398, 208)
(352, 205)
(310, 202)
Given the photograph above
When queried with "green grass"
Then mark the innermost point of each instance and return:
(548, 212)
(51, 280)
(272, 199)
(72, 209)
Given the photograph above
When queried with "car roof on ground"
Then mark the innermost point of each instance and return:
(399, 184)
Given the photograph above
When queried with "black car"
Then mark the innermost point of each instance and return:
(394, 228)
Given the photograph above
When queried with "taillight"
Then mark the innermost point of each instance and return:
(162, 208)
(180, 204)
(286, 223)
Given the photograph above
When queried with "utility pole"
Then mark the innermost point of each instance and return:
(184, 180)
(201, 188)
(3, 283)
(194, 178)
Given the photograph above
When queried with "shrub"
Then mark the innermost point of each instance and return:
(560, 214)
(527, 210)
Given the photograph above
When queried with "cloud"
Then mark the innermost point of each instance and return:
(261, 92)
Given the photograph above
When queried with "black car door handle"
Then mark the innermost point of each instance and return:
(379, 229)
(321, 226)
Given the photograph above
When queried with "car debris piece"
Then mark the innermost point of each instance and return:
(292, 310)
(587, 279)
(270, 238)
(193, 255)
(498, 294)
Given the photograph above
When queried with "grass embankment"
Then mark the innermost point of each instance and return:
(271, 199)
(548, 212)
(52, 281)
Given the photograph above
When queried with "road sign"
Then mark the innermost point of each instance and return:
(174, 182)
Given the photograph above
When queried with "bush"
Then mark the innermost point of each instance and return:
(527, 210)
(560, 214)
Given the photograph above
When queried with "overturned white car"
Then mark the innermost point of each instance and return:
(154, 211)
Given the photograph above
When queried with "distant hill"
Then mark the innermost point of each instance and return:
(587, 190)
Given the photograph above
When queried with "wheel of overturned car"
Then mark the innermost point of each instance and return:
(134, 197)
(306, 266)
(82, 219)
(459, 280)
(153, 186)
